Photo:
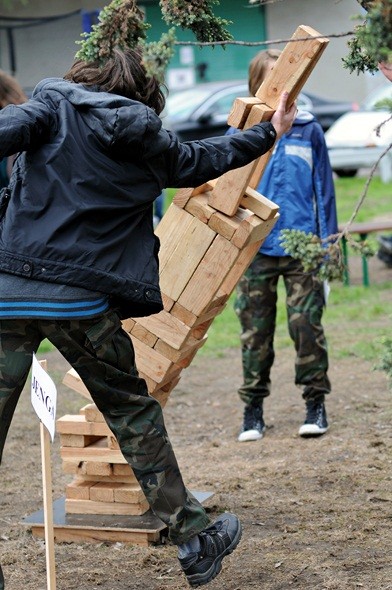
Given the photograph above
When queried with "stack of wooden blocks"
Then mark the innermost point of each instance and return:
(209, 236)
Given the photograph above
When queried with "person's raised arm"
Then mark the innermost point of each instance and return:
(283, 118)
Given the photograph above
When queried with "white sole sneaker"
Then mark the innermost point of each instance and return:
(249, 435)
(311, 430)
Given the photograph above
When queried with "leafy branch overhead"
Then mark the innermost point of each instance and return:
(372, 40)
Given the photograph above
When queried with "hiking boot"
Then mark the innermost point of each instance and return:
(216, 541)
(253, 426)
(316, 420)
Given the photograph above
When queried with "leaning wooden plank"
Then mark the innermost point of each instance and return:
(73, 381)
(170, 230)
(185, 258)
(166, 327)
(252, 229)
(240, 111)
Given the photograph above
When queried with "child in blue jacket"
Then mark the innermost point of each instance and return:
(298, 178)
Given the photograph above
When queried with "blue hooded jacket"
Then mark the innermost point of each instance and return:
(299, 179)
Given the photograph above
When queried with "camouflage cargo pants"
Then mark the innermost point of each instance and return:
(102, 353)
(255, 305)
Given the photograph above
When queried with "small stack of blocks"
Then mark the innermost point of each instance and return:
(209, 236)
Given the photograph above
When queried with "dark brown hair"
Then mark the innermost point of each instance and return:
(259, 66)
(122, 74)
(10, 91)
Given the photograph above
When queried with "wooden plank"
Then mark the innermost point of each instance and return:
(88, 469)
(77, 440)
(185, 258)
(95, 452)
(77, 424)
(198, 207)
(115, 508)
(173, 227)
(78, 490)
(151, 363)
(141, 333)
(166, 327)
(253, 229)
(258, 204)
(92, 413)
(240, 111)
(73, 381)
(243, 261)
(209, 275)
(184, 315)
(182, 197)
(83, 534)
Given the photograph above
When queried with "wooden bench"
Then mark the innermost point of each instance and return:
(362, 229)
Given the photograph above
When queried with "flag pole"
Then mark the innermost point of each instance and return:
(47, 499)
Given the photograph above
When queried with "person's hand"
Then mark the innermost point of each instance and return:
(283, 119)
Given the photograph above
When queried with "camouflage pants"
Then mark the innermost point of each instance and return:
(256, 304)
(102, 354)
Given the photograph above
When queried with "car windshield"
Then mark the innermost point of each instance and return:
(181, 104)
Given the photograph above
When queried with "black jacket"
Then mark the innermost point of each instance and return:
(82, 188)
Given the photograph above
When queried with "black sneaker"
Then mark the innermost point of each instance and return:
(216, 541)
(315, 421)
(253, 426)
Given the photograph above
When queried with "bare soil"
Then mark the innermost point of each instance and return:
(316, 513)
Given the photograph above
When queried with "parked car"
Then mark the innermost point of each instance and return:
(357, 140)
(202, 111)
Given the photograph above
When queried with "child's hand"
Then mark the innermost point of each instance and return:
(283, 119)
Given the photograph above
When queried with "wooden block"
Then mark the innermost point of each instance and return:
(173, 227)
(182, 197)
(209, 275)
(240, 111)
(77, 424)
(200, 330)
(128, 324)
(112, 442)
(93, 414)
(167, 302)
(185, 316)
(95, 452)
(129, 479)
(166, 327)
(78, 490)
(121, 469)
(102, 492)
(129, 494)
(176, 355)
(258, 204)
(237, 270)
(198, 207)
(224, 225)
(253, 229)
(73, 381)
(141, 333)
(150, 362)
(116, 508)
(230, 188)
(77, 440)
(293, 67)
(185, 258)
(88, 469)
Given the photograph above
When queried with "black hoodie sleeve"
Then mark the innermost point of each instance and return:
(195, 162)
(25, 126)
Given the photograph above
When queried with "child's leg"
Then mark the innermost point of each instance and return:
(102, 354)
(18, 340)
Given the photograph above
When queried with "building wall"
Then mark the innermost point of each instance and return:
(328, 17)
(48, 49)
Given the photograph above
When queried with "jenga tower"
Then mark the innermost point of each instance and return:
(209, 236)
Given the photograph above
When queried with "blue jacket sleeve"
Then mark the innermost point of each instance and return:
(324, 185)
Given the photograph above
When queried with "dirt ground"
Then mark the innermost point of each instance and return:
(316, 513)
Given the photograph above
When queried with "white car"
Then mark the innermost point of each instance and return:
(357, 139)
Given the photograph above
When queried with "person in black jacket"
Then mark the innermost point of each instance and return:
(78, 254)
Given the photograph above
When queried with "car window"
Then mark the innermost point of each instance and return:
(180, 105)
(222, 106)
(376, 96)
